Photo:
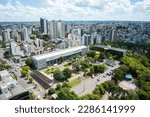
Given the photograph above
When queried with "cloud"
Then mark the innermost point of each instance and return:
(76, 10)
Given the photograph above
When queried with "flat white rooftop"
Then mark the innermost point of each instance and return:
(58, 53)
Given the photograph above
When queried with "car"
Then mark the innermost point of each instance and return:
(55, 64)
(108, 74)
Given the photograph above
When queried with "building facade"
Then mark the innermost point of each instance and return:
(43, 26)
(57, 29)
(51, 58)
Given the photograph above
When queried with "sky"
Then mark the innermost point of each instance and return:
(102, 10)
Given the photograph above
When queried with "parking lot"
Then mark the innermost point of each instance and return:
(87, 86)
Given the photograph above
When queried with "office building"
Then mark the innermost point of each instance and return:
(43, 26)
(112, 50)
(51, 58)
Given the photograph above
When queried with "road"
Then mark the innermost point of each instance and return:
(87, 86)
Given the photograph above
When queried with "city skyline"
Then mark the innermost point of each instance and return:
(67, 10)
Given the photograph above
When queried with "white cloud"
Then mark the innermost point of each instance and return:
(77, 10)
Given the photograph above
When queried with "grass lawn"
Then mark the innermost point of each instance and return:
(50, 71)
(74, 82)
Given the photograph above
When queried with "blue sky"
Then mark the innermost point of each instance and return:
(32, 10)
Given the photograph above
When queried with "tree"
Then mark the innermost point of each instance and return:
(32, 96)
(102, 68)
(102, 56)
(91, 54)
(99, 68)
(29, 62)
(96, 91)
(118, 75)
(4, 65)
(30, 80)
(66, 85)
(25, 70)
(133, 96)
(76, 66)
(145, 61)
(100, 89)
(7, 55)
(66, 94)
(4, 45)
(24, 73)
(51, 91)
(91, 70)
(96, 69)
(84, 64)
(58, 86)
(61, 59)
(143, 95)
(67, 73)
(90, 97)
(58, 75)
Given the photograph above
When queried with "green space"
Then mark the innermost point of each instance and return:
(50, 71)
(4, 65)
(136, 62)
(74, 82)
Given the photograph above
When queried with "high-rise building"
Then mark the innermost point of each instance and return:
(25, 34)
(53, 29)
(6, 35)
(76, 32)
(15, 49)
(114, 35)
(60, 29)
(86, 39)
(98, 39)
(57, 29)
(43, 26)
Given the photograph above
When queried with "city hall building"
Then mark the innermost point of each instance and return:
(51, 58)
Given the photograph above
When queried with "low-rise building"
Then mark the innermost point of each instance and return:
(10, 89)
(51, 58)
(112, 50)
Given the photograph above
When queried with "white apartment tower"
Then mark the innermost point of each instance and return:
(86, 40)
(57, 29)
(25, 34)
(60, 29)
(6, 35)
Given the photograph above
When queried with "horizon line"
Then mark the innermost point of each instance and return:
(81, 20)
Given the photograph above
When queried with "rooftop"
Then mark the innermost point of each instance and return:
(6, 79)
(9, 86)
(57, 53)
(111, 48)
